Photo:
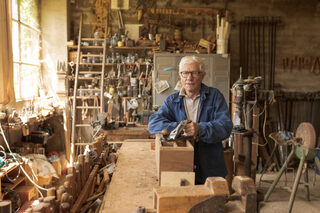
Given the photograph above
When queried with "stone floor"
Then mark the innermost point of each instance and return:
(279, 200)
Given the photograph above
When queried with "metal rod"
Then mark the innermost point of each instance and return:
(255, 46)
(241, 44)
(249, 140)
(259, 26)
(263, 55)
(247, 45)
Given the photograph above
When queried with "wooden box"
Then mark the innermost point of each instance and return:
(27, 193)
(175, 156)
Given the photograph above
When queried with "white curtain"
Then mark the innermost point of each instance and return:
(6, 56)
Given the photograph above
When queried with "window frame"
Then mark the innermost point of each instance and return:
(20, 62)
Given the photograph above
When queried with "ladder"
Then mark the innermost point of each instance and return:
(75, 108)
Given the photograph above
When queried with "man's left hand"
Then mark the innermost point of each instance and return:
(191, 129)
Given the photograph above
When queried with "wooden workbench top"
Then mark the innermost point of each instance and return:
(133, 180)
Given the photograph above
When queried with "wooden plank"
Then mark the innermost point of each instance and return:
(133, 180)
(125, 133)
(139, 140)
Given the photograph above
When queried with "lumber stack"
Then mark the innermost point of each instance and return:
(83, 187)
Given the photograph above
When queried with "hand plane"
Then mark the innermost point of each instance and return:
(177, 133)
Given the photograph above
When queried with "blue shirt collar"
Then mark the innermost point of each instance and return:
(203, 92)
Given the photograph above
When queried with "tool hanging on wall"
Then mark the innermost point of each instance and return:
(258, 47)
(316, 66)
(102, 14)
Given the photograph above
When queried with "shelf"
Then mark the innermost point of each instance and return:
(91, 55)
(116, 48)
(113, 64)
(92, 39)
(89, 72)
(88, 107)
(81, 78)
(11, 186)
(89, 89)
(135, 48)
(8, 169)
(84, 47)
(86, 97)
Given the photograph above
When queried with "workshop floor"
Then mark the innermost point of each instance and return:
(279, 199)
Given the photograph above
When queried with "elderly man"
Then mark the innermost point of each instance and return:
(207, 109)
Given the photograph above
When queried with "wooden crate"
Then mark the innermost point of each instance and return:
(172, 156)
(27, 193)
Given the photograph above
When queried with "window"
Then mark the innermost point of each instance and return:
(26, 48)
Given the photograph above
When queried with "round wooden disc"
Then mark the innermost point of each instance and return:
(306, 131)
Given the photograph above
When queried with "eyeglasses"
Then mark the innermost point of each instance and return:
(193, 74)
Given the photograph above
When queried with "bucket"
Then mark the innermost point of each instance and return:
(222, 46)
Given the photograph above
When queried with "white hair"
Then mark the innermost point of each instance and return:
(192, 59)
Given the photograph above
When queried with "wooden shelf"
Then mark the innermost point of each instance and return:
(116, 48)
(11, 186)
(135, 48)
(8, 169)
(111, 64)
(84, 47)
(92, 39)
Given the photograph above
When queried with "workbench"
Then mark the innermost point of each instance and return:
(133, 180)
(124, 133)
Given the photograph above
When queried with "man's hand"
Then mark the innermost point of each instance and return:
(191, 129)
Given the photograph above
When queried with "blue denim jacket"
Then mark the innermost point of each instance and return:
(214, 123)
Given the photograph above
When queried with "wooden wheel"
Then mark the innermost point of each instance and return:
(306, 131)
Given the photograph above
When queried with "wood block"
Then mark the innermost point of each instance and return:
(171, 156)
(153, 145)
(243, 185)
(98, 144)
(247, 189)
(180, 199)
(5, 206)
(63, 161)
(175, 178)
(57, 166)
(218, 185)
(26, 193)
(44, 180)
